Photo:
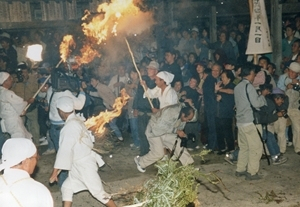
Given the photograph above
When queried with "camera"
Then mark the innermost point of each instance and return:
(184, 140)
(65, 78)
(285, 115)
(19, 75)
(296, 87)
(62, 81)
(20, 67)
(129, 81)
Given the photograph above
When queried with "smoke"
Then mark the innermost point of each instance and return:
(136, 24)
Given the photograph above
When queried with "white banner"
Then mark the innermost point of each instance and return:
(259, 37)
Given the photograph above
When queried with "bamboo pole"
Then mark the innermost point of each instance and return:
(140, 77)
(36, 93)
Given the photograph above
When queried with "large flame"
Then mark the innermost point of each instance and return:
(96, 27)
(66, 47)
(107, 19)
(96, 123)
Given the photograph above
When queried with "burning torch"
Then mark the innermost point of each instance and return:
(34, 53)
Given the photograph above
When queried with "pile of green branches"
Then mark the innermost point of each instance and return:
(173, 186)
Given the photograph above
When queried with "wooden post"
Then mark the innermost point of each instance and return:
(213, 24)
(276, 34)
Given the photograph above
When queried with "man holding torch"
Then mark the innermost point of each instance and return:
(76, 155)
(11, 108)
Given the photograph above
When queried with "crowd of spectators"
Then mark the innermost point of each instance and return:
(207, 75)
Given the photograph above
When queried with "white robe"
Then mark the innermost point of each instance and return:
(75, 155)
(11, 107)
(167, 98)
(17, 189)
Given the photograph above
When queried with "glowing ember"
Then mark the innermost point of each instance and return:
(66, 47)
(96, 123)
(118, 15)
(34, 52)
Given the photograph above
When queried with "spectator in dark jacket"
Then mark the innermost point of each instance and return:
(225, 112)
(225, 45)
(210, 105)
(171, 66)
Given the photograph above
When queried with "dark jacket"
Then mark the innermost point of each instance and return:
(142, 104)
(192, 94)
(174, 68)
(270, 111)
(209, 96)
(226, 47)
(226, 104)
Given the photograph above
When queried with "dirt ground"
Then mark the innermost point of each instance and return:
(121, 178)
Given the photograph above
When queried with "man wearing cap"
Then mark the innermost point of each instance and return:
(163, 90)
(195, 41)
(282, 103)
(75, 154)
(26, 89)
(141, 106)
(17, 188)
(163, 131)
(11, 107)
(292, 91)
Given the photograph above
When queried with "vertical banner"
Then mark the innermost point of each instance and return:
(259, 37)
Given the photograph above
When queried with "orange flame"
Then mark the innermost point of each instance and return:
(87, 54)
(96, 28)
(107, 19)
(66, 47)
(96, 123)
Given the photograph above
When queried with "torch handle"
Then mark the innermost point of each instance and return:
(37, 93)
(24, 111)
(132, 57)
(61, 60)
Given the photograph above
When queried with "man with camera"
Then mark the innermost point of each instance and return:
(165, 130)
(292, 91)
(26, 87)
(250, 144)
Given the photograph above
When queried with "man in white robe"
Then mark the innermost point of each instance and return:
(75, 154)
(11, 108)
(165, 130)
(163, 91)
(17, 188)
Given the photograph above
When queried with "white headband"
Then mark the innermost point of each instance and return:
(15, 150)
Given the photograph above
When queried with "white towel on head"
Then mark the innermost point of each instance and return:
(166, 76)
(15, 150)
(3, 77)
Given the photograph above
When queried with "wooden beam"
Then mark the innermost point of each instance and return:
(37, 24)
